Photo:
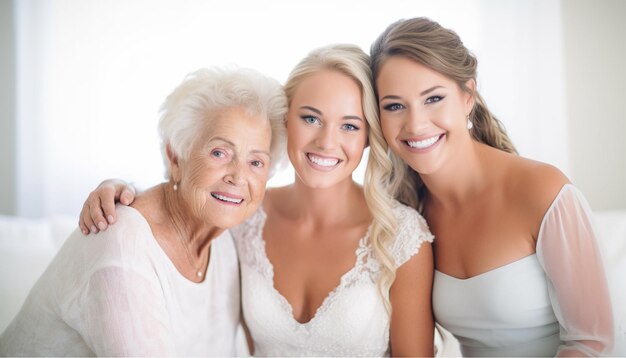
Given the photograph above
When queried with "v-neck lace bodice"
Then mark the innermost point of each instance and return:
(351, 319)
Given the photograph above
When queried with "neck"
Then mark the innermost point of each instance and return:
(324, 207)
(462, 178)
(192, 231)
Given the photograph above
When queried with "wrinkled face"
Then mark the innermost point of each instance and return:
(223, 180)
(423, 113)
(326, 129)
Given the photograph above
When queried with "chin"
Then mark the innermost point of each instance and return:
(228, 223)
(425, 168)
(324, 183)
(226, 219)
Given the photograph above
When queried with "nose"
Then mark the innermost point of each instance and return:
(326, 138)
(235, 174)
(415, 121)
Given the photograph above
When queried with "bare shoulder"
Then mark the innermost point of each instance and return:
(535, 185)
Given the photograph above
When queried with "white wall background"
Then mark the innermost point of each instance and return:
(595, 43)
(91, 75)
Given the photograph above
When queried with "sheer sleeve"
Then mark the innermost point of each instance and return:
(121, 315)
(569, 252)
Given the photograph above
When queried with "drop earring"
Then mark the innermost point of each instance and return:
(175, 187)
(470, 125)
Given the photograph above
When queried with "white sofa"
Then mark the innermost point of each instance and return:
(28, 245)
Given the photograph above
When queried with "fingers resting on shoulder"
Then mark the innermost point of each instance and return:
(98, 211)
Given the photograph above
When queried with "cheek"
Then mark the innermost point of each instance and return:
(293, 138)
(449, 114)
(194, 188)
(390, 129)
(198, 177)
(356, 146)
(257, 187)
(198, 173)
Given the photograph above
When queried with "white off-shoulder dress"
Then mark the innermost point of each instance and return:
(352, 320)
(118, 294)
(541, 304)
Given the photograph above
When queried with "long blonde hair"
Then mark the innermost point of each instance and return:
(351, 61)
(428, 43)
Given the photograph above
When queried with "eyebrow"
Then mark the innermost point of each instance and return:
(423, 93)
(223, 140)
(348, 117)
(312, 109)
(256, 151)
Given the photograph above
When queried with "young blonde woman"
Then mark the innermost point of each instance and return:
(329, 267)
(518, 268)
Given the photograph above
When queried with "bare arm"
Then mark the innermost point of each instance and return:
(412, 322)
(99, 209)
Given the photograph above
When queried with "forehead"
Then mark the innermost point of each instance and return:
(328, 86)
(237, 125)
(401, 73)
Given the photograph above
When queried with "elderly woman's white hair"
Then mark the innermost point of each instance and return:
(205, 93)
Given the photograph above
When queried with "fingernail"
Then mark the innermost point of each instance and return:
(85, 231)
(110, 218)
(93, 229)
(101, 225)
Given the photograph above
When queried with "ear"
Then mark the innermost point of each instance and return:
(470, 98)
(174, 164)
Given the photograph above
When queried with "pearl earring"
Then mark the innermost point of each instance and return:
(175, 187)
(470, 125)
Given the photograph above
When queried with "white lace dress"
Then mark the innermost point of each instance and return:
(351, 321)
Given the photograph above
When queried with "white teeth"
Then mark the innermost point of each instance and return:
(421, 144)
(225, 198)
(324, 162)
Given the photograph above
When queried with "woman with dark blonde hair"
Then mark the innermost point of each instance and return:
(518, 267)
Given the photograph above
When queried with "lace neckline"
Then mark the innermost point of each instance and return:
(361, 257)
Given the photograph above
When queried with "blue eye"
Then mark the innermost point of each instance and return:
(393, 107)
(218, 153)
(310, 119)
(349, 127)
(433, 99)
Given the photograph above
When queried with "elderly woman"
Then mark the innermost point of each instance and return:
(164, 280)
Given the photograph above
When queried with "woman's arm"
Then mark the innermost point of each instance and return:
(101, 203)
(412, 322)
(122, 313)
(569, 252)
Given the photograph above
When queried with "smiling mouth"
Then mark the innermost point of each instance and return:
(323, 162)
(227, 199)
(424, 143)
